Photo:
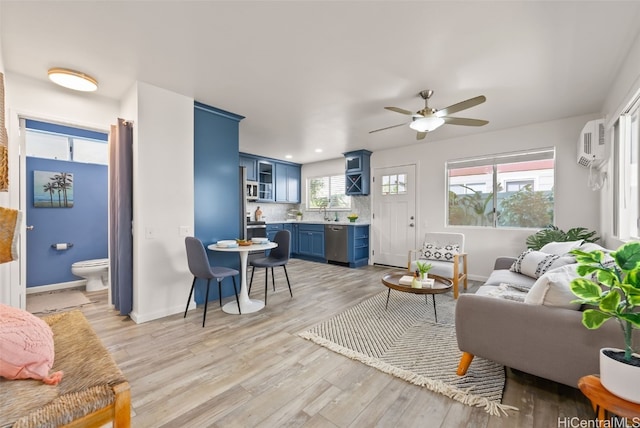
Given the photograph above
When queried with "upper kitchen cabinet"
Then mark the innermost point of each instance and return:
(357, 174)
(251, 166)
(287, 183)
(265, 180)
(278, 181)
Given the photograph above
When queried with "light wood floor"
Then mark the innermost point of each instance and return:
(254, 371)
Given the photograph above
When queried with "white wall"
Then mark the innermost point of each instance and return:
(163, 199)
(29, 98)
(576, 205)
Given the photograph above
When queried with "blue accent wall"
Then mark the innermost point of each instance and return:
(216, 188)
(84, 225)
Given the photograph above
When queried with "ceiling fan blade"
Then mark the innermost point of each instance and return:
(389, 127)
(421, 135)
(463, 105)
(464, 121)
(400, 110)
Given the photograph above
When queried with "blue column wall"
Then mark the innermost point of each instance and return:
(216, 189)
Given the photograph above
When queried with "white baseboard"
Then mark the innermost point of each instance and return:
(59, 286)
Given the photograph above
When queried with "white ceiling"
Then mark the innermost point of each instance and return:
(316, 75)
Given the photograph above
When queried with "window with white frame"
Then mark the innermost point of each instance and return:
(504, 190)
(626, 172)
(327, 192)
(51, 141)
(394, 184)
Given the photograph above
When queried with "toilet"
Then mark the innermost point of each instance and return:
(96, 272)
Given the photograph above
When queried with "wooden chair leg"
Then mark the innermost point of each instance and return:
(465, 362)
(455, 287)
(193, 285)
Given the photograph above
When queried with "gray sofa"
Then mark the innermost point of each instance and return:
(549, 342)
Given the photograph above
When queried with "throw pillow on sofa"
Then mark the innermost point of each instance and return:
(535, 263)
(560, 248)
(26, 342)
(443, 254)
(552, 289)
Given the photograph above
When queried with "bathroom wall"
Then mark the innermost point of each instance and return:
(84, 225)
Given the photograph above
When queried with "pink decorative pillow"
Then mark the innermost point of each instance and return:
(26, 346)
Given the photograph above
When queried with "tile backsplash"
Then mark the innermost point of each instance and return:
(360, 205)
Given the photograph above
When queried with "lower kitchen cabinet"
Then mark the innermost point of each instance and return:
(358, 245)
(272, 229)
(311, 241)
(293, 229)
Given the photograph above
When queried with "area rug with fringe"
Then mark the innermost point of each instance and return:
(405, 341)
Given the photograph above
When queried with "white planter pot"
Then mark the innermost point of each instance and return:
(619, 378)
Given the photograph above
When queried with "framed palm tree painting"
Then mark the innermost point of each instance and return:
(52, 189)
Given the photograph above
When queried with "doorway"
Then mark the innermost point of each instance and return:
(394, 208)
(64, 194)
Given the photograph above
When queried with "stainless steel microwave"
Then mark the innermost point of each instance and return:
(252, 191)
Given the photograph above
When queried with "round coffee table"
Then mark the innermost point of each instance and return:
(440, 285)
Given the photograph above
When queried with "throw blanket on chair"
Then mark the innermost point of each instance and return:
(9, 224)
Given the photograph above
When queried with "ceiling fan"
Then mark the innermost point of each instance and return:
(428, 119)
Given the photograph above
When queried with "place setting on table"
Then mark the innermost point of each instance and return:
(243, 247)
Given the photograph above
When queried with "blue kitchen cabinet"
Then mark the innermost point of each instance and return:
(272, 229)
(357, 172)
(293, 229)
(251, 166)
(358, 245)
(311, 241)
(287, 178)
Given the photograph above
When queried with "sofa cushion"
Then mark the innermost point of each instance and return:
(504, 291)
(27, 347)
(560, 248)
(535, 263)
(505, 276)
(444, 254)
(553, 288)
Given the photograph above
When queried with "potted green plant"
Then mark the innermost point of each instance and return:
(552, 233)
(423, 268)
(299, 215)
(612, 289)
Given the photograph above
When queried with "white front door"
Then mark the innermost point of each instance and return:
(394, 214)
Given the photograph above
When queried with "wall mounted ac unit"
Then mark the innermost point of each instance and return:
(592, 149)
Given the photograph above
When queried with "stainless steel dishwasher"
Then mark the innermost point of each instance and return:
(335, 243)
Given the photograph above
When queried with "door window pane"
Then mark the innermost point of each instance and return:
(394, 184)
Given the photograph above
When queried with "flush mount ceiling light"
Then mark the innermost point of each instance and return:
(426, 124)
(73, 79)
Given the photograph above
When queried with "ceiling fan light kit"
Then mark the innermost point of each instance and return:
(72, 79)
(426, 124)
(429, 119)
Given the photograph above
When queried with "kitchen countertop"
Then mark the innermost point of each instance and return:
(341, 222)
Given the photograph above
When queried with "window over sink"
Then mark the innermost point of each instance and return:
(327, 192)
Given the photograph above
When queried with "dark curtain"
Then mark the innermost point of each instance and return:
(121, 215)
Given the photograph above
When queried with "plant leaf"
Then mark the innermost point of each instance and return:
(628, 256)
(610, 302)
(585, 289)
(633, 318)
(593, 319)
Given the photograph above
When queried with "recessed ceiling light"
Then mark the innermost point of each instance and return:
(73, 79)
(288, 156)
(318, 150)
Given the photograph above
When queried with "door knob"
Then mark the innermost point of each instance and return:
(411, 225)
(29, 227)
(411, 218)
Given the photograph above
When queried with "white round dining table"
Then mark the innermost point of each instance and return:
(247, 305)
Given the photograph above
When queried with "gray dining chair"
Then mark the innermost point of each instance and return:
(200, 268)
(278, 256)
